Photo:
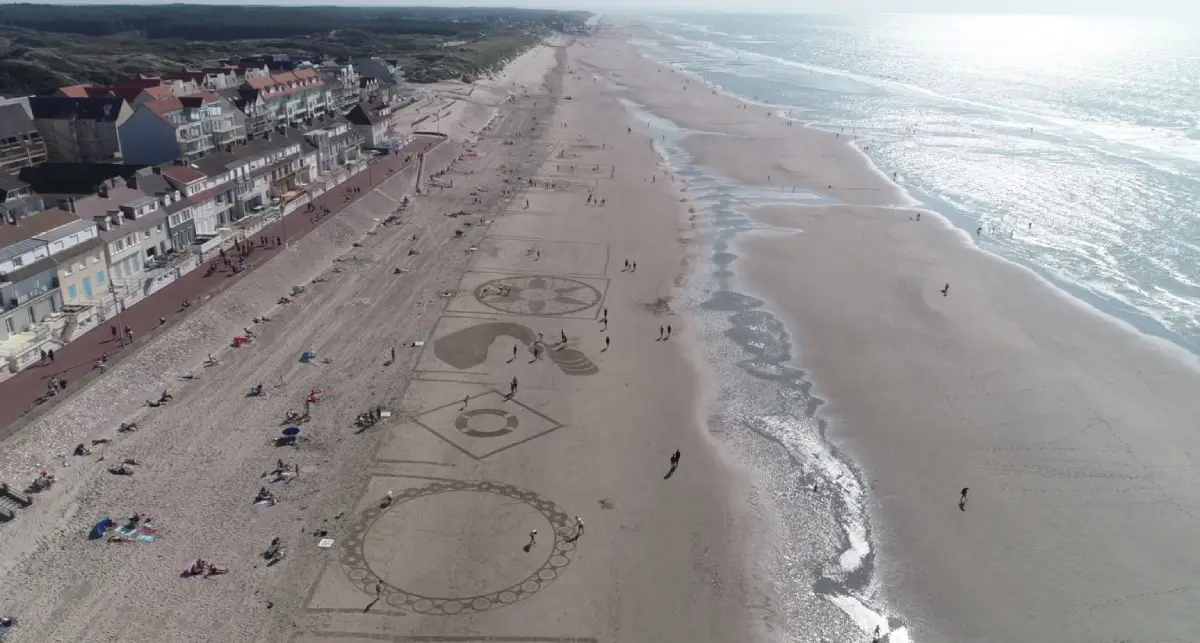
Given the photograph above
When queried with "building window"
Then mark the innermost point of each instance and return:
(18, 262)
(100, 277)
(72, 292)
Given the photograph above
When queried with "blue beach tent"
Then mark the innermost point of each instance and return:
(98, 530)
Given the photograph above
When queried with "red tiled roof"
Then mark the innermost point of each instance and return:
(260, 83)
(183, 173)
(305, 74)
(34, 225)
(74, 91)
(160, 91)
(201, 197)
(161, 106)
(284, 78)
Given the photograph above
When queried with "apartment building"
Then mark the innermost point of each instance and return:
(281, 100)
(246, 183)
(380, 125)
(338, 143)
(30, 300)
(80, 130)
(133, 227)
(21, 144)
(185, 127)
(343, 83)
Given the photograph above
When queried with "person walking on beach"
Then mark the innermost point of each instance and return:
(393, 354)
(512, 387)
(378, 589)
(962, 499)
(668, 332)
(50, 354)
(946, 290)
(675, 458)
(578, 526)
(466, 399)
(532, 540)
(514, 352)
(661, 333)
(564, 335)
(607, 343)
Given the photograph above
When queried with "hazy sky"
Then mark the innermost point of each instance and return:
(1128, 7)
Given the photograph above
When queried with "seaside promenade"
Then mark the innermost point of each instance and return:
(75, 362)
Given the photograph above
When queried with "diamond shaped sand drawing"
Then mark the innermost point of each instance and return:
(489, 424)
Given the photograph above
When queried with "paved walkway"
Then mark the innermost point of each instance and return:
(75, 361)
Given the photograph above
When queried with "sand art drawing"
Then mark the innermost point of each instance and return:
(475, 581)
(498, 423)
(537, 295)
(468, 348)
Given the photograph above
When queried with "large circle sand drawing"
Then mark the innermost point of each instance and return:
(537, 295)
(455, 547)
(486, 423)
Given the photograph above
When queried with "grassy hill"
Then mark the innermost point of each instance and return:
(47, 46)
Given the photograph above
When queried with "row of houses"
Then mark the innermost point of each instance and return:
(109, 193)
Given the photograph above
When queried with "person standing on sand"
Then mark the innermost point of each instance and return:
(378, 589)
(512, 387)
(578, 526)
(661, 332)
(393, 354)
(946, 290)
(668, 332)
(962, 499)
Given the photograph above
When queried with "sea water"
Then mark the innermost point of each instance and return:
(1071, 144)
(1067, 144)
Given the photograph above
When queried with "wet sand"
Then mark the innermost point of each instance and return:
(1072, 432)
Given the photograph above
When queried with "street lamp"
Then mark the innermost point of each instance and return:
(120, 326)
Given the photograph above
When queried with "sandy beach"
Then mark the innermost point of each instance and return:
(420, 527)
(1070, 430)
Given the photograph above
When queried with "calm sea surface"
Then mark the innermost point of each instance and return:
(1073, 142)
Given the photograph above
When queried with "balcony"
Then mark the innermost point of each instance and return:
(28, 299)
(246, 189)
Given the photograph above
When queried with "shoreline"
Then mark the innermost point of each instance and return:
(1106, 304)
(830, 384)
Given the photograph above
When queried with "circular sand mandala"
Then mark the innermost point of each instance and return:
(486, 423)
(457, 547)
(537, 295)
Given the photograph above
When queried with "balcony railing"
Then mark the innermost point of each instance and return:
(13, 303)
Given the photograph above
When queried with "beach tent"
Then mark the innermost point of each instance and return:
(99, 528)
(308, 355)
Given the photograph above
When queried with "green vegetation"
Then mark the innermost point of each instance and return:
(47, 46)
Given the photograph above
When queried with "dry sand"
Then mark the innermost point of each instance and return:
(1073, 433)
(589, 432)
